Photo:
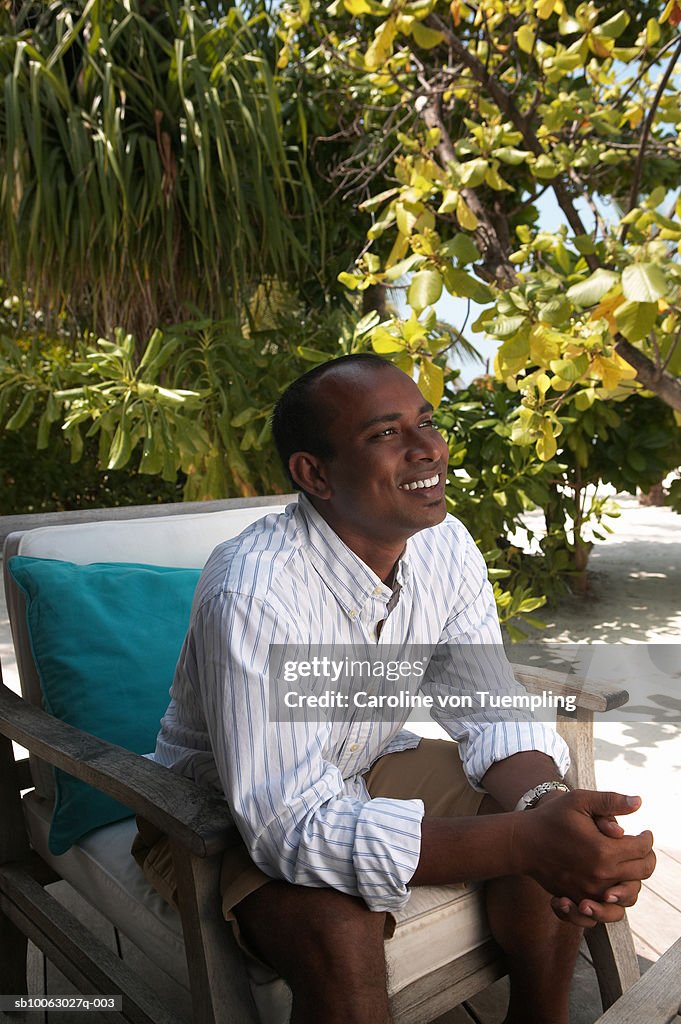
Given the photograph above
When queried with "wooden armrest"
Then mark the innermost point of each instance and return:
(589, 694)
(656, 998)
(185, 811)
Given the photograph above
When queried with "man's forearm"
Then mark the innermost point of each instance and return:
(478, 848)
(507, 780)
(466, 849)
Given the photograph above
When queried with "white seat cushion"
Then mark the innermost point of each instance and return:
(439, 923)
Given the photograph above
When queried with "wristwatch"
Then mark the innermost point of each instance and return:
(533, 796)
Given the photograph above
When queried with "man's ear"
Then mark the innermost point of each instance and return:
(309, 472)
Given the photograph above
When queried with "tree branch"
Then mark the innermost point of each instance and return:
(495, 254)
(638, 169)
(653, 377)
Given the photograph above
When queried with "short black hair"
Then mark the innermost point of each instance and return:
(300, 421)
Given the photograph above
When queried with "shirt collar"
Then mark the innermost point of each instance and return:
(347, 576)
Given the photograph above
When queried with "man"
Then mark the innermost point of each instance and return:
(332, 811)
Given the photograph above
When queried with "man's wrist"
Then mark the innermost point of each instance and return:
(532, 797)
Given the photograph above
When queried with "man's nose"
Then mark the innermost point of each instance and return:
(426, 444)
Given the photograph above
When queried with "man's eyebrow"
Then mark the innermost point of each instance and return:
(390, 417)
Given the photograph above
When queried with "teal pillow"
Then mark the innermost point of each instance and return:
(105, 638)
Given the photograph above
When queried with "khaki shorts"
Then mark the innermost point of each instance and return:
(431, 772)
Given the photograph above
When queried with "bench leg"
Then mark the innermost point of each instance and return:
(13, 948)
(614, 959)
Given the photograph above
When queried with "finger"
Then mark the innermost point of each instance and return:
(624, 895)
(609, 827)
(634, 848)
(638, 868)
(600, 913)
(567, 912)
(606, 804)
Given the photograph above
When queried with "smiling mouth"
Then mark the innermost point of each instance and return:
(421, 485)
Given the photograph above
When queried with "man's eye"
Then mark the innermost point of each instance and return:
(427, 423)
(386, 432)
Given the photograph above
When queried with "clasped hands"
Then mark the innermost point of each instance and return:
(602, 873)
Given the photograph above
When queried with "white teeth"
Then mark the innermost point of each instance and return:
(420, 484)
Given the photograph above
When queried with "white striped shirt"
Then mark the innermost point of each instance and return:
(295, 788)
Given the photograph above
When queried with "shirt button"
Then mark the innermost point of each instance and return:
(354, 747)
(353, 613)
(378, 591)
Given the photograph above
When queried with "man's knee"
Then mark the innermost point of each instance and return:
(299, 929)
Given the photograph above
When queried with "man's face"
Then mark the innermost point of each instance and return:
(387, 476)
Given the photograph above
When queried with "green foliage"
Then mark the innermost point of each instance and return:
(193, 405)
(494, 482)
(481, 109)
(145, 165)
(47, 480)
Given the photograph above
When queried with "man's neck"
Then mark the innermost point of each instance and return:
(379, 554)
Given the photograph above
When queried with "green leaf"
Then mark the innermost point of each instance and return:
(19, 418)
(544, 167)
(312, 355)
(473, 172)
(570, 369)
(613, 27)
(505, 326)
(425, 289)
(635, 320)
(425, 37)
(555, 311)
(591, 291)
(510, 155)
(461, 248)
(404, 266)
(121, 447)
(644, 282)
(458, 282)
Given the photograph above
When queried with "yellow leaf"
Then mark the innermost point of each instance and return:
(357, 6)
(383, 341)
(449, 200)
(543, 383)
(544, 8)
(612, 370)
(431, 382)
(495, 181)
(398, 251)
(382, 46)
(606, 309)
(455, 10)
(544, 345)
(546, 443)
(601, 47)
(465, 215)
(525, 37)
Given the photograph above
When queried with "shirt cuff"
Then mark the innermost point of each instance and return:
(386, 851)
(498, 742)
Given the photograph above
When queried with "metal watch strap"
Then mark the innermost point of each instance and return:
(533, 796)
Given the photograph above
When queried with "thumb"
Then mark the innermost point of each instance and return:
(609, 804)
